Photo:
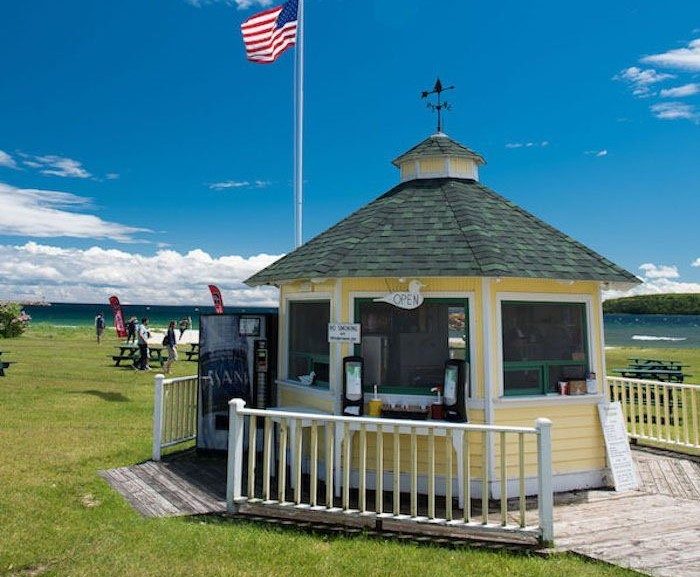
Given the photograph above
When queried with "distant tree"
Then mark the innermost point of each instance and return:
(13, 320)
(663, 304)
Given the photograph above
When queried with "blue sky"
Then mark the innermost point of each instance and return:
(137, 141)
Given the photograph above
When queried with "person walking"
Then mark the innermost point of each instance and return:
(131, 330)
(99, 326)
(184, 324)
(171, 342)
(143, 335)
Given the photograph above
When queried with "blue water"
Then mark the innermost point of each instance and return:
(621, 330)
(78, 315)
(652, 331)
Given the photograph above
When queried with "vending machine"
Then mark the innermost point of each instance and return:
(237, 359)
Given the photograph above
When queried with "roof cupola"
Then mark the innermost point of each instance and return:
(439, 156)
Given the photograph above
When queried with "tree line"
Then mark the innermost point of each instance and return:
(664, 304)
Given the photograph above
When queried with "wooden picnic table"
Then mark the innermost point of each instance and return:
(665, 375)
(4, 365)
(129, 352)
(193, 353)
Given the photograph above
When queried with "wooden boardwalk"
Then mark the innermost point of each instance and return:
(655, 530)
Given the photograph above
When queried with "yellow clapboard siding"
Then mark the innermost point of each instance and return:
(432, 165)
(295, 397)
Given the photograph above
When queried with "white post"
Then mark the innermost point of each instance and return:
(234, 469)
(157, 416)
(299, 128)
(545, 497)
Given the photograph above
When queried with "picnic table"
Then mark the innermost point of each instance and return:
(654, 369)
(130, 352)
(193, 353)
(4, 365)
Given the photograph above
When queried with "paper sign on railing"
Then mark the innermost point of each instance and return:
(617, 446)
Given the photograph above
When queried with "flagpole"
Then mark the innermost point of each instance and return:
(299, 128)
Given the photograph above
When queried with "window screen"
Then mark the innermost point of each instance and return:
(408, 348)
(308, 340)
(543, 343)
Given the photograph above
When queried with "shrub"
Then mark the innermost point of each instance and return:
(13, 320)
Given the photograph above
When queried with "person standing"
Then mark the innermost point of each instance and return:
(131, 330)
(171, 342)
(99, 326)
(143, 335)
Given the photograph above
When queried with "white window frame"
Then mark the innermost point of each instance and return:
(550, 298)
(284, 353)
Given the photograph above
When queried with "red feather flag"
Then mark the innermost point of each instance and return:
(118, 316)
(216, 297)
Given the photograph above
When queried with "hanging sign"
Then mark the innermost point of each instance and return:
(344, 333)
(617, 446)
(411, 299)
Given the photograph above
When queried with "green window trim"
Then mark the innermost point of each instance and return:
(406, 390)
(543, 366)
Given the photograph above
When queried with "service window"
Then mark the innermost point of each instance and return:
(543, 343)
(407, 349)
(308, 341)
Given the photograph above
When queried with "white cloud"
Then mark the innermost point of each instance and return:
(696, 262)
(683, 58)
(597, 153)
(641, 80)
(49, 213)
(6, 160)
(530, 144)
(34, 271)
(54, 165)
(659, 271)
(681, 91)
(657, 279)
(111, 176)
(226, 184)
(674, 111)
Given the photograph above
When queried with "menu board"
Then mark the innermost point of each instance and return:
(624, 472)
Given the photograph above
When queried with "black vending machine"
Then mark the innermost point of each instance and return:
(237, 358)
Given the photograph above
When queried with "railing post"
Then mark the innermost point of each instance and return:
(545, 497)
(234, 468)
(157, 416)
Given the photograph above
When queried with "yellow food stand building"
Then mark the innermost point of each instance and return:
(442, 267)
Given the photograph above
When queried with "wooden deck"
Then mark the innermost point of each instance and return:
(655, 530)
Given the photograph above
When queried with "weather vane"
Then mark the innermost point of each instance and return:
(440, 106)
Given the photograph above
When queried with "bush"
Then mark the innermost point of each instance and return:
(13, 320)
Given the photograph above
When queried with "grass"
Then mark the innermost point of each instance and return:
(67, 412)
(618, 358)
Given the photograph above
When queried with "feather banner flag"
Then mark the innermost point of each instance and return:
(216, 297)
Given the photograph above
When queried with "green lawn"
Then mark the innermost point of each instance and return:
(66, 412)
(617, 358)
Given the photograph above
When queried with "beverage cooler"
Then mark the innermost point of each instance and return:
(237, 358)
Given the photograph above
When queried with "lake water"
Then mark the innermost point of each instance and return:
(621, 330)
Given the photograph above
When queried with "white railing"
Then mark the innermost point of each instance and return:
(350, 477)
(174, 412)
(659, 413)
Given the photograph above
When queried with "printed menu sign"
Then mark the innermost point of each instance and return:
(617, 446)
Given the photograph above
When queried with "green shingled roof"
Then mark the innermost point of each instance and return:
(438, 145)
(442, 227)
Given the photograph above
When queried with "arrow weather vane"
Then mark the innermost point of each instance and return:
(440, 106)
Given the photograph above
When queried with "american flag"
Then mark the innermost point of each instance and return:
(269, 33)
